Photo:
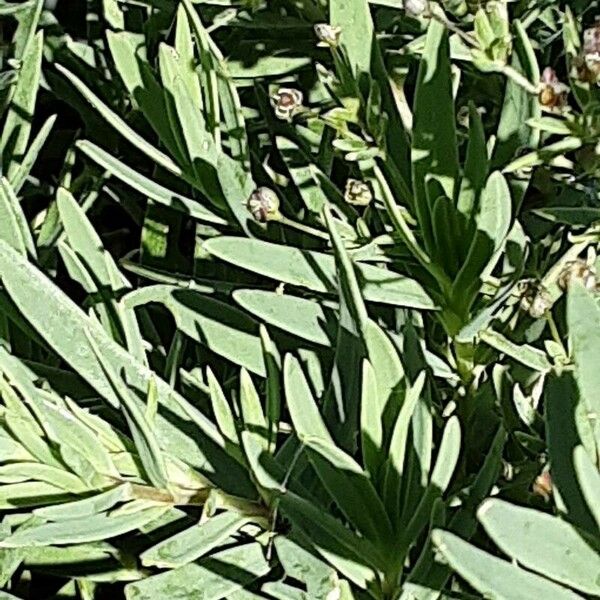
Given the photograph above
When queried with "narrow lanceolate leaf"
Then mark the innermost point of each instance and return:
(371, 427)
(213, 578)
(145, 440)
(564, 556)
(356, 558)
(146, 186)
(304, 411)
(118, 123)
(252, 411)
(354, 20)
(86, 507)
(66, 328)
(88, 529)
(14, 229)
(589, 481)
(21, 173)
(583, 316)
(320, 579)
(306, 319)
(316, 271)
(193, 543)
(351, 490)
(494, 577)
(523, 353)
(434, 148)
(17, 127)
(223, 328)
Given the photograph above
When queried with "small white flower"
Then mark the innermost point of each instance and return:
(328, 35)
(286, 102)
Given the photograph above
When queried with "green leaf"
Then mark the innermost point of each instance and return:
(564, 556)
(145, 441)
(24, 471)
(66, 328)
(251, 409)
(193, 543)
(306, 319)
(86, 243)
(494, 577)
(351, 490)
(476, 166)
(589, 480)
(86, 507)
(434, 147)
(519, 104)
(320, 579)
(80, 530)
(583, 318)
(354, 20)
(63, 429)
(316, 271)
(224, 329)
(527, 355)
(17, 127)
(350, 554)
(184, 46)
(14, 228)
(214, 577)
(146, 186)
(492, 222)
(304, 412)
(30, 493)
(222, 412)
(371, 427)
(120, 125)
(274, 386)
(21, 173)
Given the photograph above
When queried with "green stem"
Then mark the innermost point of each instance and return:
(303, 228)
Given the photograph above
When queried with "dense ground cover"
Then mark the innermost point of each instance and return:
(298, 299)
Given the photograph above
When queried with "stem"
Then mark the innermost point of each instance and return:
(554, 331)
(303, 228)
(519, 79)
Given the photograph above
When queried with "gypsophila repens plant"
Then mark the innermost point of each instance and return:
(299, 299)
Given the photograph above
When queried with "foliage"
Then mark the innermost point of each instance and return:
(298, 299)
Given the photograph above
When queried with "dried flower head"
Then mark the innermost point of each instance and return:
(553, 93)
(542, 486)
(357, 193)
(535, 298)
(286, 102)
(264, 205)
(416, 8)
(328, 35)
(578, 270)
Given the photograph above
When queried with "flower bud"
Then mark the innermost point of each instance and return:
(264, 205)
(328, 35)
(578, 270)
(357, 193)
(553, 93)
(588, 62)
(415, 8)
(286, 102)
(535, 298)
